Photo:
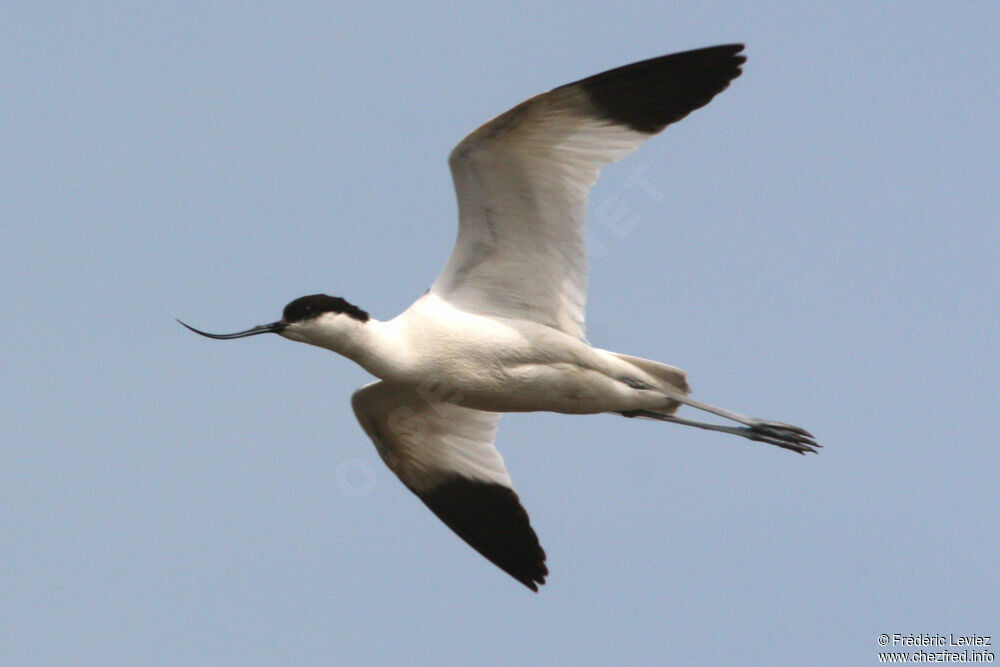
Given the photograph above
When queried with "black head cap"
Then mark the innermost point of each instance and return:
(312, 306)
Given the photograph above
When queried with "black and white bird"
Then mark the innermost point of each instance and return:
(502, 327)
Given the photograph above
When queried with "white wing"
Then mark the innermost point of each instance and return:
(522, 181)
(444, 453)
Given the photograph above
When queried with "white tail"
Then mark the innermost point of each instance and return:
(671, 380)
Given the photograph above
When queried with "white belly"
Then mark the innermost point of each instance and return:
(504, 365)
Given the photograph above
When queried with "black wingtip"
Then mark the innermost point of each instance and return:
(490, 518)
(649, 95)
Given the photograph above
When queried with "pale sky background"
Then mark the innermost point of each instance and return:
(819, 245)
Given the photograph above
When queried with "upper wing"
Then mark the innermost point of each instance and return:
(444, 453)
(522, 181)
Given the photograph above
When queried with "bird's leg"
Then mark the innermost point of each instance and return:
(775, 433)
(752, 422)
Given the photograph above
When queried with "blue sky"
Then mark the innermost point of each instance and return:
(819, 245)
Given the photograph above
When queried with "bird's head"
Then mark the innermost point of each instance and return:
(317, 319)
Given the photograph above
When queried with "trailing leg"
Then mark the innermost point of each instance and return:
(781, 435)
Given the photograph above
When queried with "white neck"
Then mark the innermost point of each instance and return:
(369, 344)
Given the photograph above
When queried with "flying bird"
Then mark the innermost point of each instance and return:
(502, 327)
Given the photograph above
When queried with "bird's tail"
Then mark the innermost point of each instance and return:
(670, 379)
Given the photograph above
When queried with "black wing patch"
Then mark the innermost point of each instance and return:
(490, 518)
(649, 95)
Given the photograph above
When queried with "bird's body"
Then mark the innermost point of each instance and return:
(502, 327)
(491, 363)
